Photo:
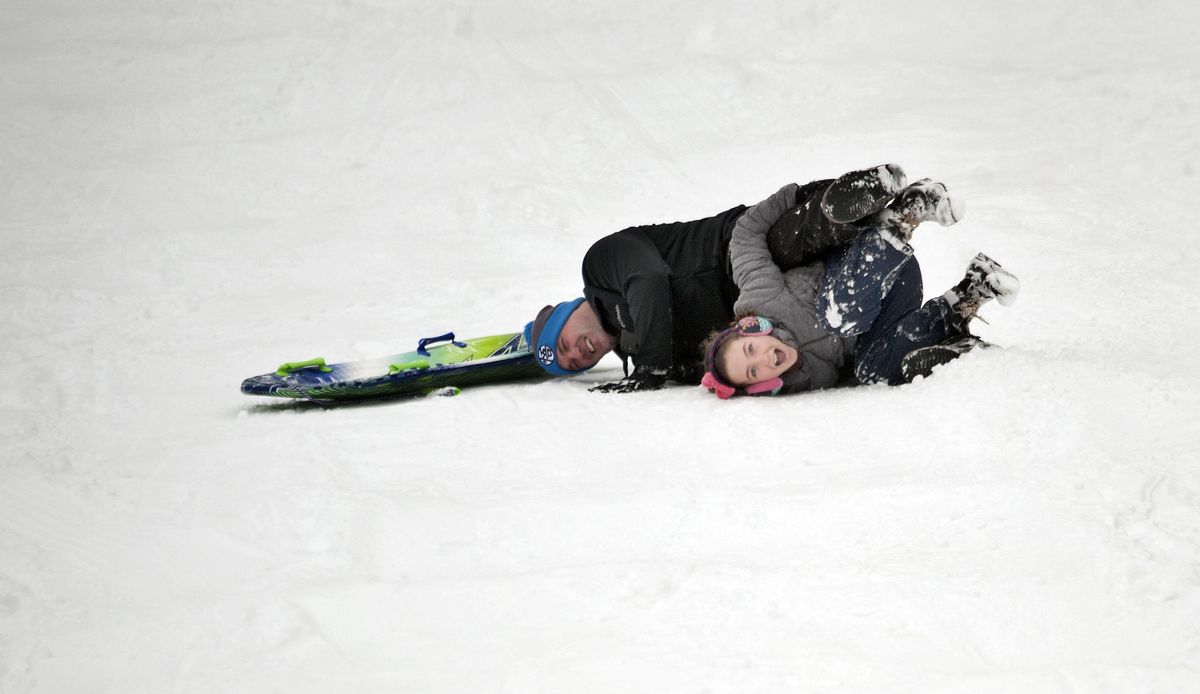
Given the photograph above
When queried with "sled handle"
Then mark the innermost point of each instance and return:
(428, 340)
(289, 367)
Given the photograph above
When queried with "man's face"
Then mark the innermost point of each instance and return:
(582, 342)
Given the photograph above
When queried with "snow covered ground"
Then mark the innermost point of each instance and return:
(192, 192)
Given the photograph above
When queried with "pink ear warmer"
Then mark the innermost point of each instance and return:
(714, 386)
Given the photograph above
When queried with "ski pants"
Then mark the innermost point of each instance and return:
(873, 289)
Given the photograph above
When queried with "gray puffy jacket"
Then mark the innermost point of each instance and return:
(788, 299)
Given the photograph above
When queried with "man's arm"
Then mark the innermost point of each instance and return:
(629, 264)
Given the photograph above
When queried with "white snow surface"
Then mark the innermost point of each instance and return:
(194, 192)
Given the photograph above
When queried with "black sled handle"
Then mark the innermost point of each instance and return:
(429, 340)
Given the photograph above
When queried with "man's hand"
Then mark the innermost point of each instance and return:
(642, 378)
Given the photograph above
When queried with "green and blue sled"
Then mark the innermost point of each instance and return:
(432, 369)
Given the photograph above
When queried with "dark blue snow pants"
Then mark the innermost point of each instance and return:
(873, 289)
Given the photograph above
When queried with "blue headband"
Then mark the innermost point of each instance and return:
(542, 335)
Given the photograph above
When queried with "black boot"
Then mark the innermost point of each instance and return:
(804, 233)
(862, 193)
(809, 229)
(984, 280)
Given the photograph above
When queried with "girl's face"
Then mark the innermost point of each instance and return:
(750, 359)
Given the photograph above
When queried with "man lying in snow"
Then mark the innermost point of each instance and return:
(654, 293)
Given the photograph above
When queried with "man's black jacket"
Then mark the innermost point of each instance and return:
(662, 289)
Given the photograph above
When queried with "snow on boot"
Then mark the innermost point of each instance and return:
(921, 362)
(922, 201)
(984, 280)
(862, 193)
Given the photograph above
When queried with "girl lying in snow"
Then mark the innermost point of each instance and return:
(859, 307)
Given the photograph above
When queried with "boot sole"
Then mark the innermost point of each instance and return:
(859, 194)
(921, 362)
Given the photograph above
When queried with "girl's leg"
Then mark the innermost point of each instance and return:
(859, 277)
(902, 326)
(873, 289)
(831, 213)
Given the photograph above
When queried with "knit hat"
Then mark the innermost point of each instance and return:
(718, 384)
(542, 335)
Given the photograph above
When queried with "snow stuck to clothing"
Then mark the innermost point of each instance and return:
(193, 193)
